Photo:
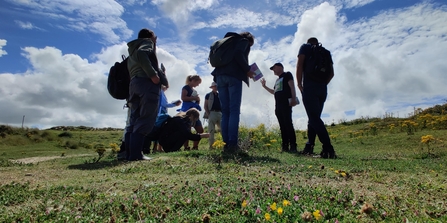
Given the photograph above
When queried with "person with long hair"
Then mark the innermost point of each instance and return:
(191, 99)
(177, 130)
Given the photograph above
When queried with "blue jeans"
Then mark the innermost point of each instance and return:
(314, 96)
(230, 95)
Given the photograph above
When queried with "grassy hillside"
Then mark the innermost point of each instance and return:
(388, 170)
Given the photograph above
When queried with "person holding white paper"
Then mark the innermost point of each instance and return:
(285, 99)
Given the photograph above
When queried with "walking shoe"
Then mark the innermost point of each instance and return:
(186, 148)
(146, 158)
(195, 148)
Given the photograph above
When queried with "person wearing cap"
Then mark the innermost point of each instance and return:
(314, 95)
(212, 112)
(285, 99)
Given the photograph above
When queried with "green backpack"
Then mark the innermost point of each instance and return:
(222, 50)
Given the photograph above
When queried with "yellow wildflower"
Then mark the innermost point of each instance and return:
(273, 140)
(273, 206)
(244, 203)
(317, 214)
(337, 172)
(285, 203)
(343, 174)
(267, 216)
(280, 211)
(427, 138)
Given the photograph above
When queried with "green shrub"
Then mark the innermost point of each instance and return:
(66, 134)
(71, 145)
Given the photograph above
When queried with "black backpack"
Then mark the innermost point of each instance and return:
(319, 64)
(119, 80)
(222, 50)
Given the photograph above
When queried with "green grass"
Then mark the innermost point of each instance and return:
(383, 174)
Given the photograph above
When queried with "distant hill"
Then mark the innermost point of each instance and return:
(83, 128)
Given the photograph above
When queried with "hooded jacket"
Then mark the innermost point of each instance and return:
(142, 59)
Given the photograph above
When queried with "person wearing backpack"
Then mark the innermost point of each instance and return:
(285, 99)
(144, 91)
(177, 130)
(229, 78)
(314, 71)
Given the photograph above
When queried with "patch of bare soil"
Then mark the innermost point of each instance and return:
(37, 159)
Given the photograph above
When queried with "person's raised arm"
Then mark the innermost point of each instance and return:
(271, 91)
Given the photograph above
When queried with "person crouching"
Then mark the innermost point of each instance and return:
(178, 129)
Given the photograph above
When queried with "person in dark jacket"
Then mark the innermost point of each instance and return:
(177, 130)
(229, 80)
(144, 91)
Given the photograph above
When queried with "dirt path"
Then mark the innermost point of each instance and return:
(37, 159)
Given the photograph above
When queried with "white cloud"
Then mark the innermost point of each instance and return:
(102, 17)
(24, 25)
(356, 3)
(385, 63)
(181, 11)
(2, 44)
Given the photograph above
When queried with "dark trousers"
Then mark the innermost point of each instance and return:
(143, 101)
(314, 96)
(284, 115)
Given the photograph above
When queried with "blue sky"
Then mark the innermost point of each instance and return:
(55, 54)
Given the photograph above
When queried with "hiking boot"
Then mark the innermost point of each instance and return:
(293, 149)
(121, 156)
(186, 148)
(195, 148)
(328, 152)
(308, 150)
(232, 149)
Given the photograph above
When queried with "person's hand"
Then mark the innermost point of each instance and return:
(300, 87)
(263, 82)
(155, 79)
(197, 99)
(177, 103)
(251, 74)
(293, 102)
(204, 135)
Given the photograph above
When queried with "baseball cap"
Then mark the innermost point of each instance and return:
(276, 64)
(213, 84)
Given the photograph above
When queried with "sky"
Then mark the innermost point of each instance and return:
(389, 55)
